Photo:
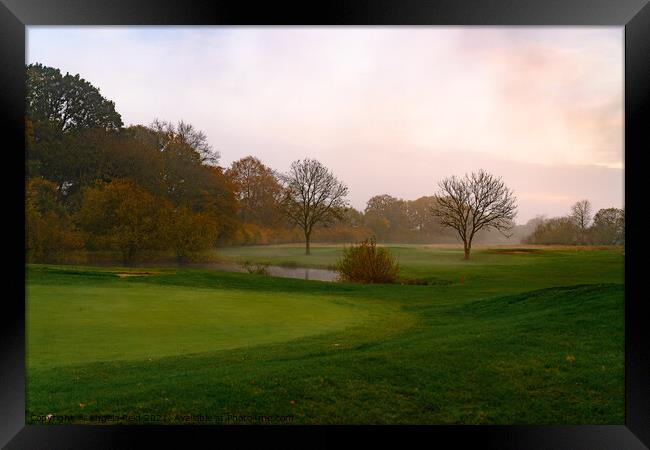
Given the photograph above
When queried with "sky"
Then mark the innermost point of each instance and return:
(390, 110)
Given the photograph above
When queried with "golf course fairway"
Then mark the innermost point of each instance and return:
(509, 337)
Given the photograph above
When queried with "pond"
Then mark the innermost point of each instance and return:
(303, 273)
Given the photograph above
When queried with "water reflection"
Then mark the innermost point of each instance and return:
(303, 273)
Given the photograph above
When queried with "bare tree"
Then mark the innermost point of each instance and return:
(312, 195)
(581, 215)
(475, 202)
(186, 133)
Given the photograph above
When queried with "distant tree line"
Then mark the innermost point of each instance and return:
(606, 227)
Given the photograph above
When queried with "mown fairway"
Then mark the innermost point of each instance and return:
(528, 337)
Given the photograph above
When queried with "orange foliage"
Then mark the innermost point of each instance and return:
(49, 234)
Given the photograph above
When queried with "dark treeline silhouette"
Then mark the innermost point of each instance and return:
(96, 187)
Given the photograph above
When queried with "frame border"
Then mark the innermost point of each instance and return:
(634, 15)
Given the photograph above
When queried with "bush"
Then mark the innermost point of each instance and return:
(365, 263)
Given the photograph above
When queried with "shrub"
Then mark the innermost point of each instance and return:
(366, 263)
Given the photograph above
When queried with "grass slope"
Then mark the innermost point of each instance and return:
(526, 339)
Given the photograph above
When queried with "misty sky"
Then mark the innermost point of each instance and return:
(389, 109)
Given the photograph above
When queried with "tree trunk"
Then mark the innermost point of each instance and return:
(180, 257)
(467, 248)
(307, 250)
(128, 256)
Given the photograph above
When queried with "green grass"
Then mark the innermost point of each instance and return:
(122, 320)
(527, 338)
(284, 255)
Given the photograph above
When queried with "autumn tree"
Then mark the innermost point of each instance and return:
(171, 161)
(132, 189)
(386, 216)
(419, 213)
(348, 228)
(67, 101)
(215, 197)
(581, 215)
(475, 202)
(186, 134)
(424, 226)
(32, 168)
(134, 154)
(122, 215)
(49, 233)
(396, 220)
(257, 189)
(312, 195)
(187, 231)
(68, 123)
(189, 175)
(78, 159)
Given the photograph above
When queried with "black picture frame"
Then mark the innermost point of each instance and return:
(634, 15)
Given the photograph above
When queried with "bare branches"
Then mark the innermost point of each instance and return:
(581, 213)
(474, 202)
(312, 195)
(186, 134)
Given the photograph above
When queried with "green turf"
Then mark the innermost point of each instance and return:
(527, 338)
(122, 320)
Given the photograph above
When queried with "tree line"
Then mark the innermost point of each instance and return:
(95, 185)
(580, 227)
